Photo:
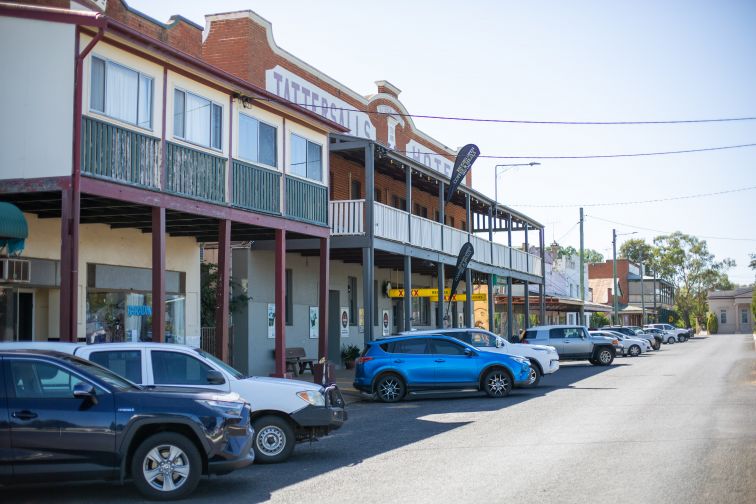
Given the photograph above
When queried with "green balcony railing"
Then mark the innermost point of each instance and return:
(256, 188)
(306, 201)
(118, 153)
(195, 173)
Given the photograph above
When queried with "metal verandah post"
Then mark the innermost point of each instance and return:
(368, 253)
(158, 274)
(510, 314)
(408, 258)
(542, 286)
(65, 265)
(323, 295)
(440, 265)
(527, 284)
(468, 316)
(222, 292)
(280, 302)
(490, 275)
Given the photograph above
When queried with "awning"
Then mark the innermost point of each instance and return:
(13, 228)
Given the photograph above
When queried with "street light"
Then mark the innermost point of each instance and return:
(615, 306)
(496, 175)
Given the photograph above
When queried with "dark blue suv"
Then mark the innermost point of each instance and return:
(392, 367)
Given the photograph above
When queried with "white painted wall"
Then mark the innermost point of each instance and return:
(37, 76)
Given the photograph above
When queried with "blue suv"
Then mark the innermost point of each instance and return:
(391, 367)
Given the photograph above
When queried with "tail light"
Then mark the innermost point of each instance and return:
(363, 360)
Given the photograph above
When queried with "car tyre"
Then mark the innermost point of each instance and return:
(166, 466)
(390, 388)
(497, 383)
(671, 340)
(274, 439)
(535, 375)
(604, 357)
(634, 351)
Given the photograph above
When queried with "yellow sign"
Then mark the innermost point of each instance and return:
(462, 297)
(433, 294)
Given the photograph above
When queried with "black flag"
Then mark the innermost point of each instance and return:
(466, 157)
(463, 259)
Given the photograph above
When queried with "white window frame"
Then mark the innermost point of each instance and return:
(323, 170)
(104, 113)
(212, 102)
(238, 147)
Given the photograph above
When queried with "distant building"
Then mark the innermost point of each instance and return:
(733, 310)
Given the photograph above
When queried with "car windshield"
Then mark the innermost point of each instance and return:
(228, 369)
(106, 375)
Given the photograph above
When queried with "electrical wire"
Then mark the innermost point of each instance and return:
(667, 232)
(638, 202)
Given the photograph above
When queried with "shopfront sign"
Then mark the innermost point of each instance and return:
(433, 160)
(385, 323)
(293, 88)
(139, 310)
(271, 321)
(314, 322)
(344, 322)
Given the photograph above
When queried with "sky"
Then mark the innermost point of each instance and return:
(559, 61)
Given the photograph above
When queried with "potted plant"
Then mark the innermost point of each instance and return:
(349, 354)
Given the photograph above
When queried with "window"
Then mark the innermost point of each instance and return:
(121, 93)
(176, 368)
(554, 334)
(378, 195)
(421, 210)
(573, 332)
(417, 346)
(352, 294)
(306, 158)
(480, 339)
(723, 316)
(197, 120)
(399, 203)
(463, 226)
(450, 220)
(443, 347)
(421, 311)
(257, 141)
(35, 379)
(125, 363)
(289, 296)
(356, 190)
(743, 316)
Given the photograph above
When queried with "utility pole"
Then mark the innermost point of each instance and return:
(643, 296)
(582, 272)
(656, 313)
(614, 277)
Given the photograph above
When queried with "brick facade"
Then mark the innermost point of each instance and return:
(604, 270)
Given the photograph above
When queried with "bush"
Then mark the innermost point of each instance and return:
(712, 324)
(598, 319)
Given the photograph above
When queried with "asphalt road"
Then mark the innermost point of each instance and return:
(676, 426)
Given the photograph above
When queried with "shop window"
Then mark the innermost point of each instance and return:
(121, 93)
(289, 296)
(306, 158)
(352, 288)
(257, 141)
(421, 311)
(197, 119)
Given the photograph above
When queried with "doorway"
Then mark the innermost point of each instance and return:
(25, 316)
(334, 335)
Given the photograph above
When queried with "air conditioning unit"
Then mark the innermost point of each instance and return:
(15, 270)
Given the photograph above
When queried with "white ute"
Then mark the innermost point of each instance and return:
(283, 411)
(544, 359)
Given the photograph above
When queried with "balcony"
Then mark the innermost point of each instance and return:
(346, 217)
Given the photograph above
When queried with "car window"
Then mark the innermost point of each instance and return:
(444, 347)
(531, 334)
(557, 333)
(411, 346)
(127, 363)
(573, 332)
(228, 369)
(43, 380)
(481, 339)
(177, 368)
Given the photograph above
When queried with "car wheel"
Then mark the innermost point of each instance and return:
(535, 375)
(497, 383)
(604, 357)
(274, 439)
(390, 388)
(166, 466)
(634, 351)
(670, 340)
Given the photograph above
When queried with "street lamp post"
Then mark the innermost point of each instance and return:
(496, 175)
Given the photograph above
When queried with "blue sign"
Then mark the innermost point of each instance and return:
(139, 310)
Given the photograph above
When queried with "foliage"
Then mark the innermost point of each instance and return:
(593, 256)
(238, 297)
(639, 252)
(567, 251)
(752, 264)
(685, 261)
(349, 352)
(712, 324)
(753, 309)
(598, 319)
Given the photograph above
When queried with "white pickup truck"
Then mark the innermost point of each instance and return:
(283, 411)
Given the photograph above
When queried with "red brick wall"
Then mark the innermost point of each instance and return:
(604, 270)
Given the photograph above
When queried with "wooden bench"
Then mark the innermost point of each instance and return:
(299, 361)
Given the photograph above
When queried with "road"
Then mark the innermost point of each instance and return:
(675, 426)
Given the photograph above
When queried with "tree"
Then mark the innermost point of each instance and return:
(686, 262)
(567, 251)
(208, 293)
(752, 265)
(598, 319)
(712, 324)
(638, 251)
(593, 256)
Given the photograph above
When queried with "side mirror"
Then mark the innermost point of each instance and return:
(215, 377)
(468, 352)
(84, 390)
(498, 343)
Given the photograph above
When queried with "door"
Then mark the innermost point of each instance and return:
(25, 316)
(334, 335)
(414, 359)
(454, 368)
(576, 342)
(556, 339)
(52, 432)
(179, 369)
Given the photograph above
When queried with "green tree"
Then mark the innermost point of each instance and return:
(593, 256)
(712, 324)
(752, 265)
(598, 319)
(567, 251)
(208, 291)
(686, 262)
(639, 252)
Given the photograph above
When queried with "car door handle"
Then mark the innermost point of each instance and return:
(398, 361)
(440, 360)
(566, 341)
(24, 415)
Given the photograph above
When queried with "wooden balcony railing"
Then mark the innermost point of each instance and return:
(121, 154)
(256, 188)
(195, 173)
(306, 201)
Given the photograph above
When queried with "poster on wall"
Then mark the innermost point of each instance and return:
(271, 321)
(361, 321)
(460, 320)
(314, 314)
(385, 323)
(344, 322)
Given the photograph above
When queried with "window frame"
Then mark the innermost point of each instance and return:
(322, 160)
(722, 316)
(103, 112)
(238, 146)
(212, 102)
(151, 370)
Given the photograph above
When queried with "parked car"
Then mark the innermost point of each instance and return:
(634, 332)
(392, 367)
(680, 333)
(632, 347)
(543, 359)
(67, 419)
(284, 412)
(573, 342)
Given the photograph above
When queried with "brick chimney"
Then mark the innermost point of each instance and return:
(230, 41)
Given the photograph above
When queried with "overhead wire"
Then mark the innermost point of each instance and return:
(668, 232)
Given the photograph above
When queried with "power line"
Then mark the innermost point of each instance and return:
(638, 202)
(314, 107)
(668, 232)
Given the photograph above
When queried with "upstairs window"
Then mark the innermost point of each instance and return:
(197, 120)
(257, 141)
(306, 158)
(121, 93)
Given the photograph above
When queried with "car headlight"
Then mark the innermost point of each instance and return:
(230, 408)
(312, 396)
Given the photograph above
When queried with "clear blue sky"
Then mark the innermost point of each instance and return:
(548, 60)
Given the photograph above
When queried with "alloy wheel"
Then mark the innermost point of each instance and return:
(605, 357)
(498, 384)
(166, 467)
(390, 389)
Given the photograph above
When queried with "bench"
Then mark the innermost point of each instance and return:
(298, 359)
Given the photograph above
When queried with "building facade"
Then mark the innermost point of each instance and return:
(733, 310)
